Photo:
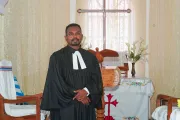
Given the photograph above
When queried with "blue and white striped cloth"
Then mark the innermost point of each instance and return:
(18, 89)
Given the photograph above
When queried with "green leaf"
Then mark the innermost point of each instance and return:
(137, 57)
(131, 55)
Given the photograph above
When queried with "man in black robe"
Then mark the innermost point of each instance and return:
(73, 87)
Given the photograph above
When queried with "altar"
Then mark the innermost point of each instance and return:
(130, 100)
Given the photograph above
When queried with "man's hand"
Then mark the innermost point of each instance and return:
(86, 101)
(81, 94)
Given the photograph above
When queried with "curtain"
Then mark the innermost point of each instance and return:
(118, 25)
(31, 30)
(121, 27)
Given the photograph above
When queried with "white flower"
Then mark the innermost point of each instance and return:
(137, 51)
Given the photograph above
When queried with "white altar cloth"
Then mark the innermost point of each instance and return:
(129, 100)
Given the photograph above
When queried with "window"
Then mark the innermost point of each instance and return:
(107, 25)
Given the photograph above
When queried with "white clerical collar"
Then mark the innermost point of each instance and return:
(77, 56)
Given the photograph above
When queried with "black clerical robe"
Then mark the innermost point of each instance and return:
(61, 82)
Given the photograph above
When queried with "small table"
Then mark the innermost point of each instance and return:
(129, 100)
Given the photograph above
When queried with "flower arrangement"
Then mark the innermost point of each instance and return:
(137, 51)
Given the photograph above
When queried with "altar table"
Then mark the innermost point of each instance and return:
(130, 100)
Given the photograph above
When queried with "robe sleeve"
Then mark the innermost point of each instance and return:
(57, 94)
(95, 85)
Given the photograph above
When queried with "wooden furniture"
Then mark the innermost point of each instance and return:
(111, 79)
(124, 69)
(100, 56)
(166, 100)
(36, 98)
(9, 101)
(109, 53)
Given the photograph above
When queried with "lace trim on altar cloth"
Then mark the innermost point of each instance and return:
(130, 118)
(135, 81)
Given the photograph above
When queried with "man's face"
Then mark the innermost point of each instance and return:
(74, 36)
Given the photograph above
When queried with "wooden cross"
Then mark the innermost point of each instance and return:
(104, 11)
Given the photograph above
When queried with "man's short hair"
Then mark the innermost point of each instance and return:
(72, 25)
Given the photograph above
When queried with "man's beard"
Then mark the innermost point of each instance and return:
(75, 42)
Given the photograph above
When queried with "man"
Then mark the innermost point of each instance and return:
(73, 87)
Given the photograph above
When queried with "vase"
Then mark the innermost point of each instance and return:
(133, 72)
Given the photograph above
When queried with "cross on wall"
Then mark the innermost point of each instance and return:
(104, 11)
